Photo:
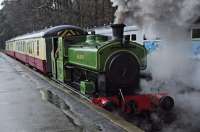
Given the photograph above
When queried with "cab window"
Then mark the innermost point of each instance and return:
(133, 37)
(196, 33)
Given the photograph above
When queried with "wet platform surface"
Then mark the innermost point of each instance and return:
(22, 108)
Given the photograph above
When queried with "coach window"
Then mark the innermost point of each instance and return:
(17, 46)
(133, 37)
(20, 46)
(29, 47)
(24, 46)
(38, 48)
(196, 33)
(127, 37)
(33, 51)
(144, 37)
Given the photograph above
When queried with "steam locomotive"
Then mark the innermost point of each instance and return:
(107, 70)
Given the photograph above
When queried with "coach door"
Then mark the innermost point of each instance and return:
(54, 55)
(48, 55)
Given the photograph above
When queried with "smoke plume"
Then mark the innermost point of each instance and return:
(171, 64)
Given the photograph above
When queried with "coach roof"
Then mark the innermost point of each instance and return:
(49, 32)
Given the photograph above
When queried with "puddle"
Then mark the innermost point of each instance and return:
(1, 59)
(54, 99)
(49, 96)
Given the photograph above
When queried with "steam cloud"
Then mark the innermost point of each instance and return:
(181, 12)
(171, 64)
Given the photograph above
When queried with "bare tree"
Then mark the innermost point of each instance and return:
(22, 16)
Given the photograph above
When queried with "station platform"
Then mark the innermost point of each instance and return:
(23, 107)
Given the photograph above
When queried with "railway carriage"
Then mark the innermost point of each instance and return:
(133, 33)
(35, 48)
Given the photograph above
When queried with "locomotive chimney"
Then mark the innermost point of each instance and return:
(118, 31)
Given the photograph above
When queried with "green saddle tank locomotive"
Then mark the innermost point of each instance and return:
(109, 70)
